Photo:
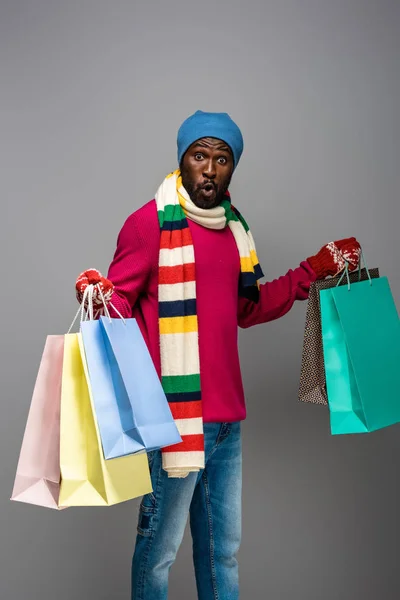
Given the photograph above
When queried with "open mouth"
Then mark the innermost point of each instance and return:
(208, 189)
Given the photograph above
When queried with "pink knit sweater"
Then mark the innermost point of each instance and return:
(134, 273)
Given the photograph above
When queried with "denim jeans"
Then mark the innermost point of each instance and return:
(212, 498)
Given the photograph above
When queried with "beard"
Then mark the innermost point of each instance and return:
(206, 194)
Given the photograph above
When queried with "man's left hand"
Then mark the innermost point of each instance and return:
(332, 258)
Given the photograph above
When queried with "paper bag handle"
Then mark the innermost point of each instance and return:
(346, 270)
(89, 314)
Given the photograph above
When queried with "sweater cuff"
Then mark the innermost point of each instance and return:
(322, 264)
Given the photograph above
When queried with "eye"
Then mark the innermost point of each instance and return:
(198, 156)
(222, 160)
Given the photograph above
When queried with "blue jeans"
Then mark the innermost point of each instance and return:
(213, 498)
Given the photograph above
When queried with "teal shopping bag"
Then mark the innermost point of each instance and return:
(361, 346)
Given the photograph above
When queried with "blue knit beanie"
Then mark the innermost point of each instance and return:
(217, 125)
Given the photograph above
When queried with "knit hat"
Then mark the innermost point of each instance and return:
(217, 125)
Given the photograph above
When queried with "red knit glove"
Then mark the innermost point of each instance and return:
(94, 277)
(331, 259)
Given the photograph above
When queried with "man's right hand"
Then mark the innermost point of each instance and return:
(95, 278)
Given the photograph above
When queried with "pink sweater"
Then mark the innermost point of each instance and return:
(134, 273)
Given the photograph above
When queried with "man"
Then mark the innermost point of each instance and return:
(186, 268)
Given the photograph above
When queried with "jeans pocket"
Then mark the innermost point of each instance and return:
(224, 431)
(150, 457)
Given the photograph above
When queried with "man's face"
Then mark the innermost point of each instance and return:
(206, 170)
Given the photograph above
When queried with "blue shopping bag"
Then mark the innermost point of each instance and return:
(361, 347)
(131, 408)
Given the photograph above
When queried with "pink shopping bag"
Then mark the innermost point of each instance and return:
(38, 473)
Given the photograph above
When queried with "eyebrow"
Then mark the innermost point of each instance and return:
(220, 147)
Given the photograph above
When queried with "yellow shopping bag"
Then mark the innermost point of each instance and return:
(87, 479)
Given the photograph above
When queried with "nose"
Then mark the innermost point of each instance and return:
(209, 171)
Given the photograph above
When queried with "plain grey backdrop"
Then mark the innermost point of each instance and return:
(92, 95)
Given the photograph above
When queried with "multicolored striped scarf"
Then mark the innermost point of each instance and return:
(178, 324)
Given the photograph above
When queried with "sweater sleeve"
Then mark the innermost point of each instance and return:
(130, 268)
(276, 297)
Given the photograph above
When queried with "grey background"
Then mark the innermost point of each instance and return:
(92, 94)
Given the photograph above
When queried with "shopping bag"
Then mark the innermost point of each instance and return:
(361, 346)
(87, 479)
(131, 407)
(37, 479)
(312, 387)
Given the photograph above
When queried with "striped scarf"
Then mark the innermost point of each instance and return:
(178, 324)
